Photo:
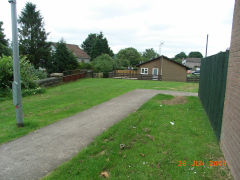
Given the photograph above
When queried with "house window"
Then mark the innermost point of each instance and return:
(144, 70)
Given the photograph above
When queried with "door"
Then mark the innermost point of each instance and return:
(155, 73)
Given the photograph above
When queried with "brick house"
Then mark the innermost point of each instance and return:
(81, 55)
(230, 134)
(164, 68)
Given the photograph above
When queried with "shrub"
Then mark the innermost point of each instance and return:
(29, 74)
(103, 63)
(83, 65)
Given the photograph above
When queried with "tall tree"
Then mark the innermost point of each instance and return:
(149, 54)
(4, 49)
(195, 54)
(180, 55)
(62, 59)
(95, 45)
(32, 39)
(129, 54)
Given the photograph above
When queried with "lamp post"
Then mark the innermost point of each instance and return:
(16, 85)
(160, 48)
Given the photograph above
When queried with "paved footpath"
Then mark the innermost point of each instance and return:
(36, 154)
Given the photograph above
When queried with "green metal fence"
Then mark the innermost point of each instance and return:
(212, 88)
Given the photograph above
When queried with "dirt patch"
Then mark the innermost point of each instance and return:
(175, 100)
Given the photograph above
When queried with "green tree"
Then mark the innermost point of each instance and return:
(195, 54)
(130, 55)
(95, 45)
(62, 59)
(180, 55)
(32, 39)
(149, 54)
(103, 63)
(4, 49)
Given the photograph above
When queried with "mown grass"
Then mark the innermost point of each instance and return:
(68, 99)
(153, 146)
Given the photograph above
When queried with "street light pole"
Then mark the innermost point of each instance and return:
(16, 86)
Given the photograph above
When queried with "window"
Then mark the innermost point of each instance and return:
(144, 70)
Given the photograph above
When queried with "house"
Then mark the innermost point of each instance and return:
(192, 63)
(163, 68)
(81, 55)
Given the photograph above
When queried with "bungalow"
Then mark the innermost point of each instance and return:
(163, 68)
(81, 55)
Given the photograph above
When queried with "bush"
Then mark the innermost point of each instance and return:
(29, 74)
(103, 63)
(38, 90)
(83, 65)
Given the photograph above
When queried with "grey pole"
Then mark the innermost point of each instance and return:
(16, 86)
(206, 47)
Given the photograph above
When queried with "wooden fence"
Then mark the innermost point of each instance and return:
(73, 75)
(134, 76)
(126, 71)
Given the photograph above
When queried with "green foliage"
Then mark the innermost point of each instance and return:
(195, 54)
(28, 92)
(96, 45)
(181, 55)
(28, 73)
(103, 63)
(62, 59)
(32, 39)
(4, 49)
(83, 65)
(130, 55)
(6, 72)
(149, 54)
(120, 63)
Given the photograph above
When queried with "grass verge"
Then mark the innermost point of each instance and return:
(68, 99)
(153, 140)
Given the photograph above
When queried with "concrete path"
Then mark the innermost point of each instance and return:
(36, 154)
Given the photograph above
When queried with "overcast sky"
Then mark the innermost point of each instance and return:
(181, 24)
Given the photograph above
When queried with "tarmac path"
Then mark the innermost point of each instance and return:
(36, 154)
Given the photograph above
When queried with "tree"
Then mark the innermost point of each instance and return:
(4, 49)
(129, 54)
(62, 59)
(180, 55)
(149, 54)
(195, 54)
(95, 45)
(32, 39)
(103, 63)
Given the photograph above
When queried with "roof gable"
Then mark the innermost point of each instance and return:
(159, 58)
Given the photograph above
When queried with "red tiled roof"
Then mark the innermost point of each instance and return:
(76, 50)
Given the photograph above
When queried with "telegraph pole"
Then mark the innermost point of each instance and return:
(16, 86)
(206, 46)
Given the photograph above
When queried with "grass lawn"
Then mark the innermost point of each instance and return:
(68, 99)
(153, 146)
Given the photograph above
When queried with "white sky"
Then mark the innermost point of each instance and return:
(181, 24)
